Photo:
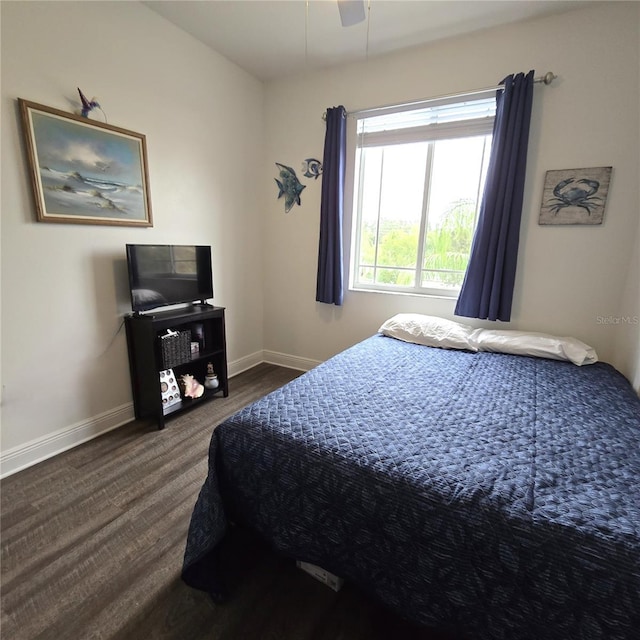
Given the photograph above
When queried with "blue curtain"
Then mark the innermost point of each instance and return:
(330, 270)
(487, 290)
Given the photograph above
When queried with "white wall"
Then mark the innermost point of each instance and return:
(64, 365)
(568, 277)
(626, 324)
(628, 334)
(64, 286)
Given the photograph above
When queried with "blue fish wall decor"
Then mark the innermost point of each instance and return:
(289, 185)
(312, 168)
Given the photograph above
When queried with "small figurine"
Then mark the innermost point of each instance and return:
(192, 388)
(89, 105)
(211, 379)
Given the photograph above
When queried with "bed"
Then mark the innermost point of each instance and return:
(492, 495)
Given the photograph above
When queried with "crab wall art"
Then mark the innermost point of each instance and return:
(575, 196)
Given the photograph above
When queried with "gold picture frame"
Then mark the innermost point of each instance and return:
(84, 171)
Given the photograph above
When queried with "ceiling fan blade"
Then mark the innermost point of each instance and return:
(351, 12)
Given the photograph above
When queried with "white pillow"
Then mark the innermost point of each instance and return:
(526, 343)
(428, 330)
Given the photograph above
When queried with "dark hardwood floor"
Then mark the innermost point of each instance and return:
(93, 539)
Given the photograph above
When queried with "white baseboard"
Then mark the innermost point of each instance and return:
(238, 366)
(26, 455)
(30, 453)
(271, 357)
(291, 362)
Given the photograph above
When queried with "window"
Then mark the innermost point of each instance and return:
(419, 178)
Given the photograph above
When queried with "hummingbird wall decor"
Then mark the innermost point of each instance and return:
(89, 105)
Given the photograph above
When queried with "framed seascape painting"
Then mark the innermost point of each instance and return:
(84, 171)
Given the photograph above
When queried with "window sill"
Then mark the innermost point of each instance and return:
(439, 295)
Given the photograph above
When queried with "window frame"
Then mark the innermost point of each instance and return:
(430, 133)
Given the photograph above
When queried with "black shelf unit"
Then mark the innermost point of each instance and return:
(207, 326)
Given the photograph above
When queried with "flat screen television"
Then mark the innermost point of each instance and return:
(165, 274)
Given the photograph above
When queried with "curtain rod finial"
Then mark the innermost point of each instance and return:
(549, 77)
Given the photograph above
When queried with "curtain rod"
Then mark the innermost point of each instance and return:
(546, 79)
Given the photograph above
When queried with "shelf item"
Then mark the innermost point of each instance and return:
(176, 347)
(169, 389)
(159, 345)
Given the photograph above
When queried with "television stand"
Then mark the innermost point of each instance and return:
(150, 357)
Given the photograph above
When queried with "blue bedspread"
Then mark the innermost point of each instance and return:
(494, 496)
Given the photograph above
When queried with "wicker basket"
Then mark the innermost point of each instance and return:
(176, 348)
